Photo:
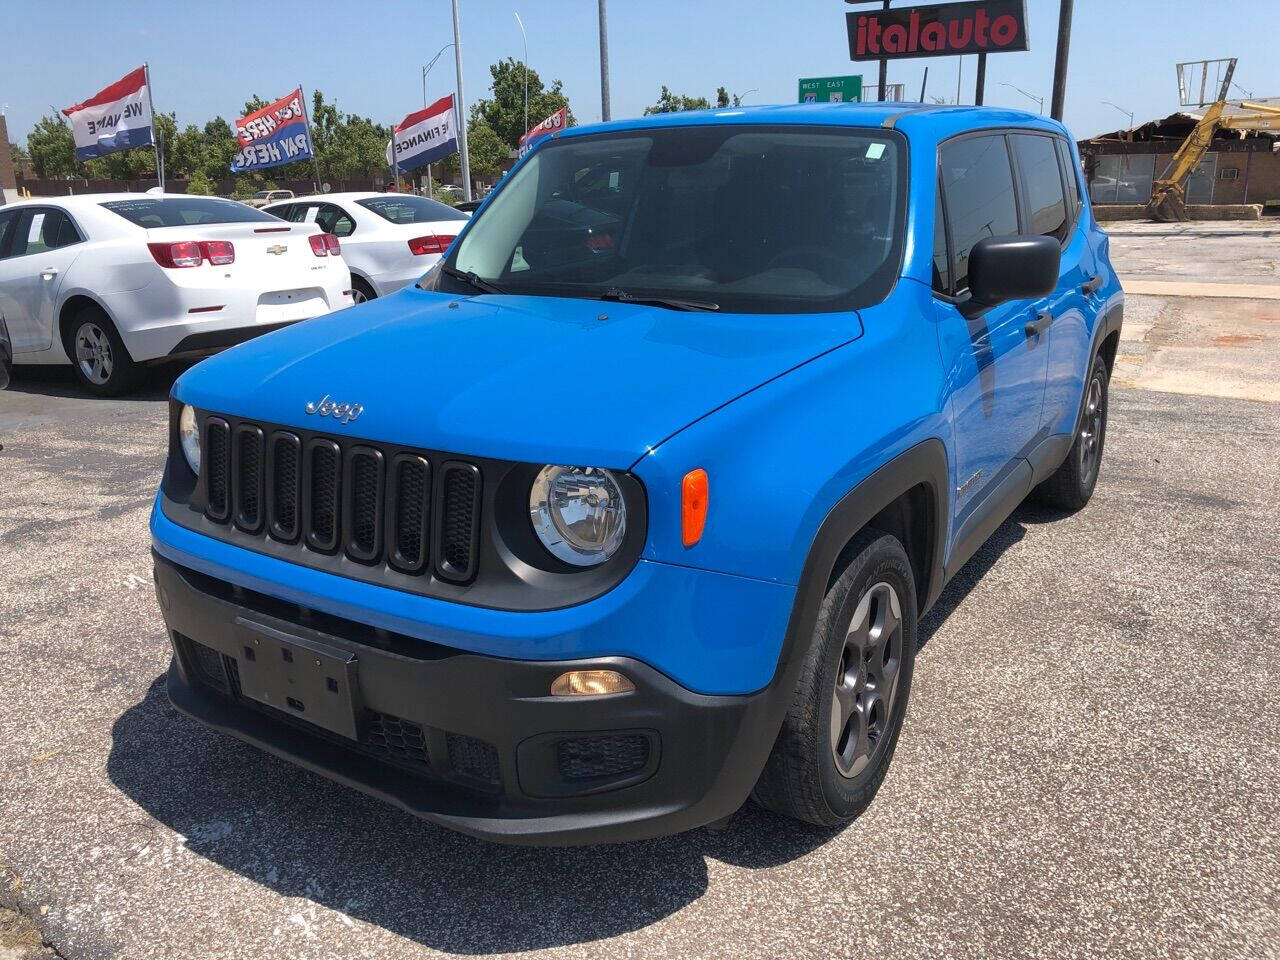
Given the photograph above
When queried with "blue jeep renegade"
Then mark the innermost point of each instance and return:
(629, 509)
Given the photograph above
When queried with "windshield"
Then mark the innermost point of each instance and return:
(411, 209)
(152, 212)
(732, 217)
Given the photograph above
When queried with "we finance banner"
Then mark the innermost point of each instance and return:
(424, 136)
(272, 135)
(117, 117)
(553, 124)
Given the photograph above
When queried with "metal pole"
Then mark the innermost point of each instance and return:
(924, 83)
(430, 189)
(525, 71)
(460, 107)
(982, 80)
(155, 131)
(959, 75)
(884, 69)
(1060, 64)
(605, 110)
(315, 157)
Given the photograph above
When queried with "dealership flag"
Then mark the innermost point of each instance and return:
(552, 124)
(272, 135)
(423, 137)
(117, 118)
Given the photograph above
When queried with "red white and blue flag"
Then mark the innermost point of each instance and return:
(272, 135)
(116, 118)
(553, 124)
(424, 136)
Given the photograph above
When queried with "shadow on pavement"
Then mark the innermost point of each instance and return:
(59, 381)
(302, 836)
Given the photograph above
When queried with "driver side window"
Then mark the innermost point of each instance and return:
(977, 181)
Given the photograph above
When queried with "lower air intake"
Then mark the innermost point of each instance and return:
(585, 758)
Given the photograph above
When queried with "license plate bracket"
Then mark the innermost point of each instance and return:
(307, 679)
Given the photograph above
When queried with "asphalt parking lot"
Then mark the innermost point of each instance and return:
(1090, 767)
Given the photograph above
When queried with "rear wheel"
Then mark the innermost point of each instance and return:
(99, 357)
(1071, 485)
(841, 729)
(361, 291)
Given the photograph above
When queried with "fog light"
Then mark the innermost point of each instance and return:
(590, 683)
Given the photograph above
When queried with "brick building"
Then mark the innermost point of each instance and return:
(1243, 166)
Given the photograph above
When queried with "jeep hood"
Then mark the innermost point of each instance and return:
(521, 378)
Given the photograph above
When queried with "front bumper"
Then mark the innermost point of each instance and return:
(474, 742)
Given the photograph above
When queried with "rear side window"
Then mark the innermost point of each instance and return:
(333, 219)
(151, 212)
(1073, 177)
(941, 263)
(1042, 185)
(42, 229)
(411, 209)
(977, 181)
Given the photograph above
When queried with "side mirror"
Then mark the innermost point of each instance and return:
(1013, 268)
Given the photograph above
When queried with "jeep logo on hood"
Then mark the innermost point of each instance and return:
(325, 407)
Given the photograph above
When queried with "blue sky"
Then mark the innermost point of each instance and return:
(207, 59)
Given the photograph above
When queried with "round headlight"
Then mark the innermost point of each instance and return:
(189, 437)
(578, 513)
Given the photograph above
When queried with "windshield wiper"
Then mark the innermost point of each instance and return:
(473, 279)
(674, 303)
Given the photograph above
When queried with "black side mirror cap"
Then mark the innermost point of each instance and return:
(1013, 268)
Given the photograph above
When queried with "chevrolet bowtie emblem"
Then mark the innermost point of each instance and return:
(278, 249)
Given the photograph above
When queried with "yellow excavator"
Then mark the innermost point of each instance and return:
(1168, 193)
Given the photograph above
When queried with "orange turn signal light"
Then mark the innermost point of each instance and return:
(694, 496)
(590, 683)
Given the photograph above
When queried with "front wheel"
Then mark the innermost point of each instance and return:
(99, 357)
(838, 738)
(1071, 485)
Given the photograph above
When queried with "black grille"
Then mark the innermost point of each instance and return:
(473, 758)
(400, 738)
(354, 498)
(217, 455)
(457, 532)
(584, 758)
(205, 662)
(248, 476)
(283, 505)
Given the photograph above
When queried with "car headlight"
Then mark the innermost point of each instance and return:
(578, 513)
(189, 437)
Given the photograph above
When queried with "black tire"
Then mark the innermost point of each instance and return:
(803, 778)
(1072, 484)
(362, 291)
(98, 356)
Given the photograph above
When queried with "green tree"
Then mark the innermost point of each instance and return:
(504, 114)
(200, 184)
(723, 98)
(669, 102)
(186, 155)
(220, 148)
(16, 154)
(52, 148)
(486, 150)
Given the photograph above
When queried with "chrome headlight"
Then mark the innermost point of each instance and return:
(578, 513)
(189, 437)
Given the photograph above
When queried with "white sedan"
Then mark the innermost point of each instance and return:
(389, 240)
(108, 282)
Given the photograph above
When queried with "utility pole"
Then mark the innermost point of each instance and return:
(884, 70)
(604, 65)
(460, 112)
(525, 71)
(981, 89)
(1060, 64)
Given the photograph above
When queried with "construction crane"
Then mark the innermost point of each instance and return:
(1168, 193)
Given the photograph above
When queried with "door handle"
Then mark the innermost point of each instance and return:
(1040, 324)
(1091, 286)
(48, 273)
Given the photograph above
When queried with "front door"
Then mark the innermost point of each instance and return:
(995, 367)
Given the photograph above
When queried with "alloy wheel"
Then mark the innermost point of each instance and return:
(93, 353)
(1091, 431)
(867, 680)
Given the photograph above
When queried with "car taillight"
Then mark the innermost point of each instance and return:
(421, 246)
(187, 253)
(218, 252)
(325, 244)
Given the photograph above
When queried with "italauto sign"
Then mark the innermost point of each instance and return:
(940, 30)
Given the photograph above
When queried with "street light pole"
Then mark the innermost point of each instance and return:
(1128, 113)
(604, 66)
(431, 187)
(1029, 96)
(1060, 63)
(460, 107)
(525, 71)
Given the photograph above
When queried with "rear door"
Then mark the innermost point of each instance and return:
(995, 369)
(42, 244)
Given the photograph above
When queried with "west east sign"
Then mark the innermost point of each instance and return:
(938, 30)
